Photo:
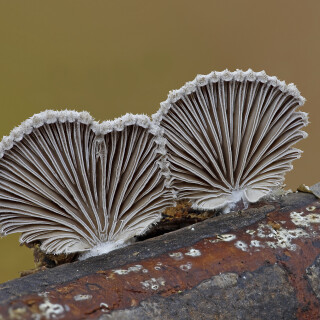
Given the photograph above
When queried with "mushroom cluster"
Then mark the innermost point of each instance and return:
(77, 185)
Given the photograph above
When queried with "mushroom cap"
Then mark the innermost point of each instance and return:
(74, 184)
(230, 136)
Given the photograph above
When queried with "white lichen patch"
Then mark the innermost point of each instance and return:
(265, 231)
(193, 253)
(43, 294)
(271, 245)
(284, 238)
(51, 310)
(311, 208)
(153, 283)
(158, 266)
(186, 267)
(255, 243)
(304, 220)
(176, 255)
(275, 238)
(223, 237)
(241, 245)
(135, 268)
(251, 232)
(226, 237)
(104, 307)
(82, 297)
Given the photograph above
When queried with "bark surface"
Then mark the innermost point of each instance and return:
(258, 263)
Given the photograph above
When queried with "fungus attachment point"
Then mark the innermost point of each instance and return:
(76, 185)
(230, 136)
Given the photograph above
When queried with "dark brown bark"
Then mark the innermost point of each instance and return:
(258, 263)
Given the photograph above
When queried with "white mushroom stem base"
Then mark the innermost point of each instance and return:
(103, 248)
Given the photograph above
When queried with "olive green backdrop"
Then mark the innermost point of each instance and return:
(111, 57)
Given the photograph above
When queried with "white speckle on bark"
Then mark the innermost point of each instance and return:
(193, 253)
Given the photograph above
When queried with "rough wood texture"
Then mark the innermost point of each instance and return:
(259, 263)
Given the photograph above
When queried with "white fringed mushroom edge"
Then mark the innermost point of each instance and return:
(226, 75)
(118, 124)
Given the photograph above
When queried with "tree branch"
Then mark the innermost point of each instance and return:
(258, 263)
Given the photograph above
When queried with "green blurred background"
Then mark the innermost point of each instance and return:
(111, 57)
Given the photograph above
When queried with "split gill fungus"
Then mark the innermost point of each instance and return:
(77, 185)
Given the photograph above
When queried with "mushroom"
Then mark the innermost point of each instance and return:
(230, 135)
(78, 185)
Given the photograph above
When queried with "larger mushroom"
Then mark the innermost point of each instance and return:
(230, 136)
